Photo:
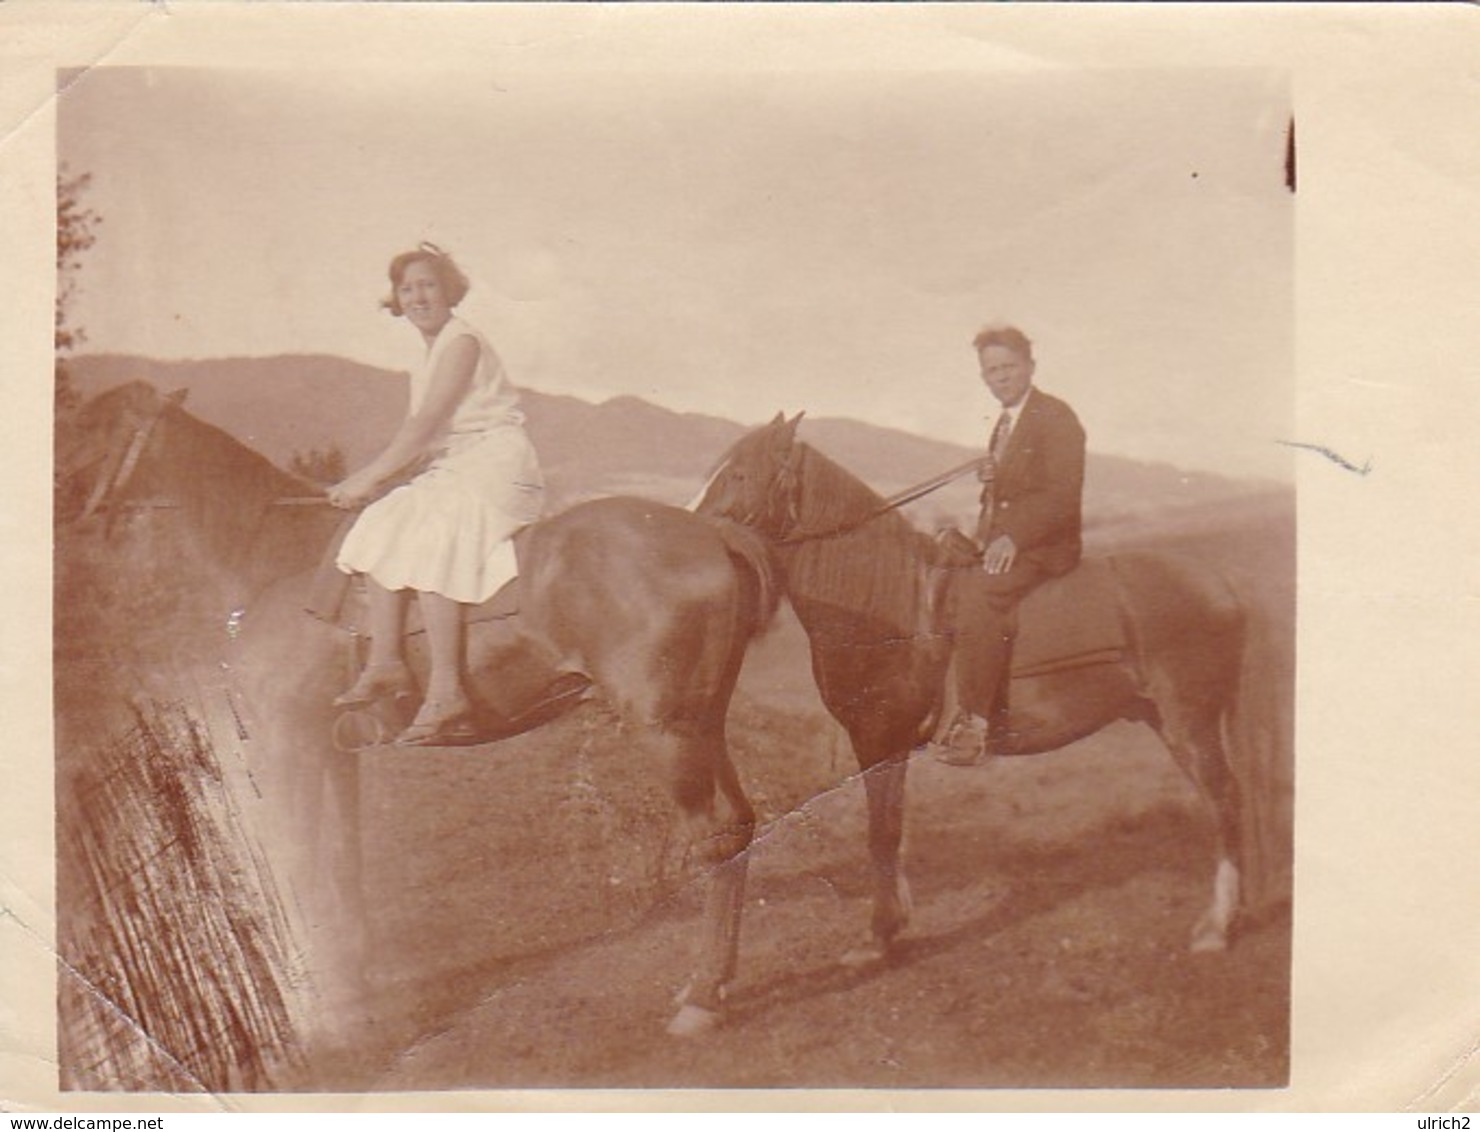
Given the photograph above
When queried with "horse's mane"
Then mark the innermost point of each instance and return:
(872, 567)
(194, 457)
(211, 486)
(213, 458)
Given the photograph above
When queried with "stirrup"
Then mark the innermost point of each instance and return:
(390, 681)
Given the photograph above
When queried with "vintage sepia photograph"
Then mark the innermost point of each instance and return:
(575, 574)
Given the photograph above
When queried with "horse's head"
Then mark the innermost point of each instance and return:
(756, 484)
(99, 446)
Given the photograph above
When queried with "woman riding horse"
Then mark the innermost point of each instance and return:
(446, 533)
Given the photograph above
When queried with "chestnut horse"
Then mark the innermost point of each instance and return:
(868, 590)
(652, 606)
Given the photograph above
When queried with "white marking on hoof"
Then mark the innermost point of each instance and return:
(1211, 933)
(906, 899)
(1207, 936)
(693, 1021)
(856, 957)
(867, 955)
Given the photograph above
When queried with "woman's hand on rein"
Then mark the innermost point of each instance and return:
(351, 493)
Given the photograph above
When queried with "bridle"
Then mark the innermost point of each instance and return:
(116, 479)
(782, 498)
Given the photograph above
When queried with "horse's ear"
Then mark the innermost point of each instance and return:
(778, 419)
(791, 426)
(178, 396)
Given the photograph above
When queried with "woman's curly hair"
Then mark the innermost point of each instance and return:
(455, 284)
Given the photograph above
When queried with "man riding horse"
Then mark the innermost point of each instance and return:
(1028, 531)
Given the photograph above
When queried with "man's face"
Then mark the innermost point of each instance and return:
(1006, 373)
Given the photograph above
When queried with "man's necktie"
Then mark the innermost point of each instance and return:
(996, 446)
(1000, 432)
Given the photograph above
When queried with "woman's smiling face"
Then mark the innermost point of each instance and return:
(422, 299)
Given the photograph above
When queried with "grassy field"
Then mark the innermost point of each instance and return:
(533, 909)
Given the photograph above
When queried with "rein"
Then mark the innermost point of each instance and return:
(894, 502)
(168, 504)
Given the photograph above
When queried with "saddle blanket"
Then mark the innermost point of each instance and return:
(1070, 621)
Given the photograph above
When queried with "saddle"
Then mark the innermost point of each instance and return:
(1067, 622)
(339, 599)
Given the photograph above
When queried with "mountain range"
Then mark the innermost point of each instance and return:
(292, 405)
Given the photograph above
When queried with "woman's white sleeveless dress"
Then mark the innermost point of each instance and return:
(448, 529)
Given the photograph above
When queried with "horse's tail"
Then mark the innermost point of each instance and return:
(754, 556)
(1259, 738)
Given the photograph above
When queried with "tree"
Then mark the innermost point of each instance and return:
(323, 467)
(75, 225)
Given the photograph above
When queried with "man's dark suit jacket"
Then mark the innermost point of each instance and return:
(1036, 498)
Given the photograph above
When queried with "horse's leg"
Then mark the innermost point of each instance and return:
(657, 609)
(288, 669)
(1190, 636)
(884, 786)
(344, 863)
(1210, 760)
(317, 854)
(722, 825)
(1198, 748)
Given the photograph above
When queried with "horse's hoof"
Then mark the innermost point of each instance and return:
(867, 955)
(686, 992)
(693, 1021)
(1208, 937)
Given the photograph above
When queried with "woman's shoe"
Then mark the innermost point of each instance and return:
(389, 681)
(440, 723)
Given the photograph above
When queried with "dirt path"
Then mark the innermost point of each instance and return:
(1053, 901)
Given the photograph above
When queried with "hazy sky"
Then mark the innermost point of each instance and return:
(735, 242)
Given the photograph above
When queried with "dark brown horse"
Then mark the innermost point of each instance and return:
(651, 606)
(133, 461)
(868, 589)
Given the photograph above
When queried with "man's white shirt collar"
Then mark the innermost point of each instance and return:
(1013, 413)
